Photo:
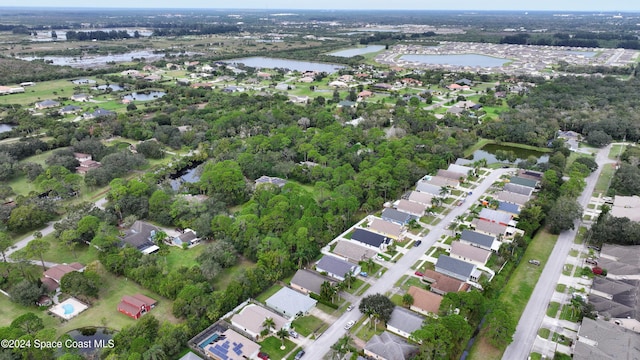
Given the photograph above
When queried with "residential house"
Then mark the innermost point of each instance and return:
(386, 228)
(421, 198)
(353, 252)
(412, 208)
(188, 237)
(80, 97)
(370, 239)
(428, 188)
(98, 113)
(518, 189)
(290, 303)
(5, 90)
(190, 356)
(523, 181)
(509, 208)
(530, 174)
(365, 94)
(69, 109)
(396, 216)
(271, 180)
(442, 284)
(86, 163)
(464, 81)
(307, 281)
(495, 216)
(621, 262)
(489, 228)
(347, 104)
(513, 198)
(153, 78)
(52, 276)
(382, 86)
(617, 300)
(455, 110)
(602, 340)
(47, 104)
(443, 181)
(250, 319)
(338, 84)
(134, 306)
(387, 346)
(456, 268)
(453, 175)
(480, 240)
(459, 168)
(336, 268)
(140, 236)
(230, 345)
(404, 322)
(626, 206)
(424, 301)
(470, 253)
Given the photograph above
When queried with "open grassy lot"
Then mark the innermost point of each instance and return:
(615, 151)
(227, 275)
(602, 185)
(519, 288)
(41, 91)
(306, 325)
(60, 254)
(271, 346)
(267, 293)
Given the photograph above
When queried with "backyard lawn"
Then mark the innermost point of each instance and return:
(306, 325)
(271, 346)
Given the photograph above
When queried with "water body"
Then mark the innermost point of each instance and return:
(489, 152)
(588, 54)
(83, 81)
(144, 96)
(5, 128)
(272, 63)
(90, 61)
(110, 86)
(92, 336)
(458, 60)
(187, 175)
(357, 51)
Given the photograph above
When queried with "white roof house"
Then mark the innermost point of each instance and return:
(290, 303)
(251, 317)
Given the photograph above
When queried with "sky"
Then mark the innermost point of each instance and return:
(556, 5)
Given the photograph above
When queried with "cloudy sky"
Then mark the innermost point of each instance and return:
(559, 5)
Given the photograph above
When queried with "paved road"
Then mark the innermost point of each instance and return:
(321, 346)
(534, 312)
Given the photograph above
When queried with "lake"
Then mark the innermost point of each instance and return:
(92, 336)
(89, 61)
(457, 59)
(272, 63)
(187, 175)
(489, 152)
(357, 51)
(588, 54)
(144, 96)
(5, 128)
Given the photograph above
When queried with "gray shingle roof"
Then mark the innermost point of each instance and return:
(495, 216)
(368, 237)
(333, 265)
(390, 347)
(518, 189)
(455, 266)
(290, 302)
(508, 207)
(601, 340)
(477, 238)
(309, 280)
(396, 216)
(405, 320)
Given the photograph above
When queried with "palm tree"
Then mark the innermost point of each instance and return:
(407, 300)
(268, 324)
(348, 279)
(370, 264)
(154, 353)
(435, 202)
(444, 191)
(282, 334)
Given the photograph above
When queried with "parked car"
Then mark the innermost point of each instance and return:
(534, 262)
(350, 307)
(591, 261)
(299, 355)
(417, 243)
(293, 334)
(349, 325)
(263, 356)
(364, 274)
(418, 273)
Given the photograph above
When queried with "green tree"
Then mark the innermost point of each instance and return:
(224, 178)
(268, 324)
(500, 325)
(37, 248)
(26, 293)
(378, 306)
(407, 300)
(435, 340)
(282, 334)
(563, 214)
(5, 245)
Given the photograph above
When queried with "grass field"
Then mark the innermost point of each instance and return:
(602, 185)
(615, 151)
(552, 310)
(267, 293)
(41, 91)
(518, 290)
(306, 325)
(271, 346)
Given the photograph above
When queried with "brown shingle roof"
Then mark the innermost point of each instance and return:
(442, 283)
(425, 300)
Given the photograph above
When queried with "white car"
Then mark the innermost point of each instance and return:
(349, 325)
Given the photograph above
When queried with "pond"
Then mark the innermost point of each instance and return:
(491, 152)
(90, 340)
(187, 175)
(144, 96)
(5, 128)
(272, 63)
(588, 54)
(83, 81)
(357, 51)
(110, 86)
(458, 60)
(90, 61)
